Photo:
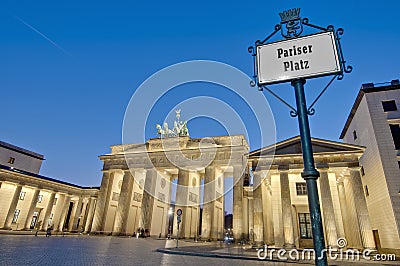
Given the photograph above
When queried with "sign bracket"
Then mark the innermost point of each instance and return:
(293, 112)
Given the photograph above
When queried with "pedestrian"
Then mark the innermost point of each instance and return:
(37, 226)
(48, 232)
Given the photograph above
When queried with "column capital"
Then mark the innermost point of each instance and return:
(340, 180)
(355, 168)
(283, 168)
(262, 172)
(323, 168)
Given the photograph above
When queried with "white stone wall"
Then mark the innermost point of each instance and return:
(23, 206)
(6, 195)
(382, 174)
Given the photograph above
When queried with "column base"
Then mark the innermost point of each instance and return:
(289, 246)
(373, 251)
(118, 234)
(258, 244)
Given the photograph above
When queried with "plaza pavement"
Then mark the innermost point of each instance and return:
(20, 249)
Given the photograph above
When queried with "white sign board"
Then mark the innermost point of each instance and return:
(309, 56)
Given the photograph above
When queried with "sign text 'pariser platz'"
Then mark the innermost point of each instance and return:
(306, 57)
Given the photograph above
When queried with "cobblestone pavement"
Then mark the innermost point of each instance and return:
(102, 250)
(95, 250)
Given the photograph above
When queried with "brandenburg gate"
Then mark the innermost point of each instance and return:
(139, 181)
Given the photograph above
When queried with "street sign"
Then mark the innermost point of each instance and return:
(310, 56)
(179, 212)
(179, 219)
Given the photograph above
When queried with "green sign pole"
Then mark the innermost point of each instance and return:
(310, 174)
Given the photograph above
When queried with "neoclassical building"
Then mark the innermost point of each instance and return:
(29, 201)
(144, 184)
(137, 184)
(279, 195)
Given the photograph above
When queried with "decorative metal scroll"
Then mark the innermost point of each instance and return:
(291, 27)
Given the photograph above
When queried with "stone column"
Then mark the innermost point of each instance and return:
(102, 202)
(32, 207)
(13, 206)
(347, 227)
(268, 214)
(58, 211)
(354, 239)
(81, 226)
(64, 212)
(238, 176)
(286, 210)
(182, 192)
(250, 217)
(258, 209)
(76, 206)
(75, 215)
(208, 206)
(90, 215)
(328, 211)
(277, 211)
(246, 215)
(124, 204)
(49, 208)
(148, 198)
(362, 210)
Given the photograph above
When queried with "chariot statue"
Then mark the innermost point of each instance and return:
(179, 130)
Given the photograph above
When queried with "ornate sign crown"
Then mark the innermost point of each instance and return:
(291, 14)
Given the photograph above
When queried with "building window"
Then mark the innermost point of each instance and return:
(305, 225)
(395, 129)
(34, 219)
(137, 197)
(16, 214)
(366, 191)
(50, 219)
(389, 106)
(11, 160)
(301, 188)
(39, 198)
(354, 135)
(115, 196)
(22, 195)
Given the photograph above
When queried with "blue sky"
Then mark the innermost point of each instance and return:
(68, 70)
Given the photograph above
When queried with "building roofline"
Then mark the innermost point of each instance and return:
(297, 137)
(12, 169)
(21, 150)
(366, 88)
